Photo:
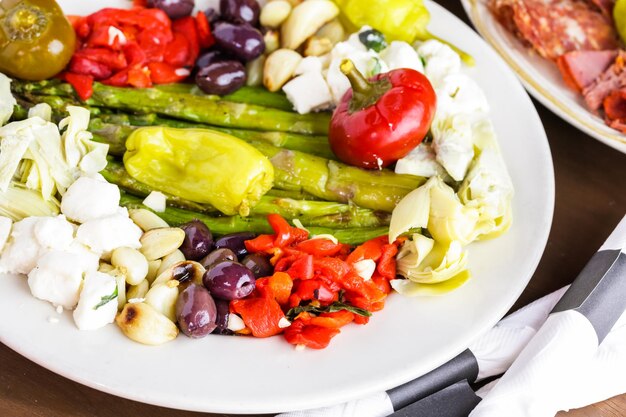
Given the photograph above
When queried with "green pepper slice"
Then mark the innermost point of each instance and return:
(200, 165)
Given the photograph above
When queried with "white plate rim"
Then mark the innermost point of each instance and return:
(384, 382)
(593, 127)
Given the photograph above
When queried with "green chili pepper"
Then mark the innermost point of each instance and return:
(200, 165)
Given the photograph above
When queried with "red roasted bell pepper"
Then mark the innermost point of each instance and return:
(260, 314)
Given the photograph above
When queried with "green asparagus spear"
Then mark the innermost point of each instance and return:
(115, 128)
(188, 107)
(317, 213)
(248, 95)
(257, 224)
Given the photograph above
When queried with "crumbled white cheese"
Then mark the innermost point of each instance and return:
(365, 268)
(458, 93)
(309, 64)
(156, 201)
(401, 55)
(108, 233)
(31, 238)
(308, 92)
(421, 161)
(452, 141)
(58, 277)
(98, 302)
(89, 198)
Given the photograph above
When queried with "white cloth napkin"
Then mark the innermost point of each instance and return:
(562, 367)
(494, 351)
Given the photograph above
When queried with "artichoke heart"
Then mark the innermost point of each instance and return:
(200, 165)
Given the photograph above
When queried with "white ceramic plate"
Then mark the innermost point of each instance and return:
(541, 77)
(408, 338)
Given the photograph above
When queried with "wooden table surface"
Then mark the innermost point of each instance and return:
(590, 200)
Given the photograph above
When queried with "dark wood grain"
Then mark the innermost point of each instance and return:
(590, 200)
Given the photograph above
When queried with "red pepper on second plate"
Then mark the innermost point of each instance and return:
(382, 120)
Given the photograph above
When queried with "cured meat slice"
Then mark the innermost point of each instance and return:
(615, 110)
(580, 68)
(605, 6)
(555, 27)
(612, 79)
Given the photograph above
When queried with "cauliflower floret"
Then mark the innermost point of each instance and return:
(97, 305)
(401, 55)
(31, 238)
(308, 92)
(441, 60)
(58, 277)
(5, 230)
(89, 198)
(107, 233)
(421, 161)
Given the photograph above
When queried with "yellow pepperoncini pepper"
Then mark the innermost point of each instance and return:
(36, 39)
(200, 165)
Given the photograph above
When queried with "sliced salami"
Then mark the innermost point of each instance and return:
(615, 109)
(614, 78)
(555, 27)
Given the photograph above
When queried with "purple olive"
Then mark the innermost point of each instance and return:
(198, 240)
(212, 15)
(240, 11)
(222, 77)
(218, 255)
(210, 57)
(243, 41)
(196, 311)
(175, 9)
(229, 280)
(235, 242)
(259, 265)
(223, 311)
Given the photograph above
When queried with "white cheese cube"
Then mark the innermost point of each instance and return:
(156, 201)
(421, 161)
(308, 92)
(89, 198)
(107, 233)
(401, 55)
(97, 305)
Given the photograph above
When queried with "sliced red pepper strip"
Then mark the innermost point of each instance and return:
(334, 320)
(320, 247)
(260, 314)
(205, 37)
(281, 285)
(112, 59)
(177, 52)
(314, 337)
(372, 249)
(387, 262)
(139, 78)
(261, 243)
(85, 66)
(302, 268)
(83, 84)
(162, 73)
(187, 27)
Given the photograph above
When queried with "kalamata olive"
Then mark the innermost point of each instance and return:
(222, 77)
(212, 15)
(229, 280)
(240, 11)
(235, 242)
(175, 9)
(196, 311)
(218, 255)
(223, 311)
(198, 240)
(210, 57)
(243, 41)
(258, 264)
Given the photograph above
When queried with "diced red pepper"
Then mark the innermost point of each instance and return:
(302, 268)
(83, 84)
(315, 337)
(188, 28)
(260, 314)
(279, 284)
(387, 262)
(372, 249)
(261, 243)
(162, 73)
(112, 59)
(84, 66)
(205, 37)
(139, 78)
(320, 247)
(334, 320)
(177, 52)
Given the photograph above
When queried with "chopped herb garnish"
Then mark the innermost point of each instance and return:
(107, 298)
(373, 39)
(334, 307)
